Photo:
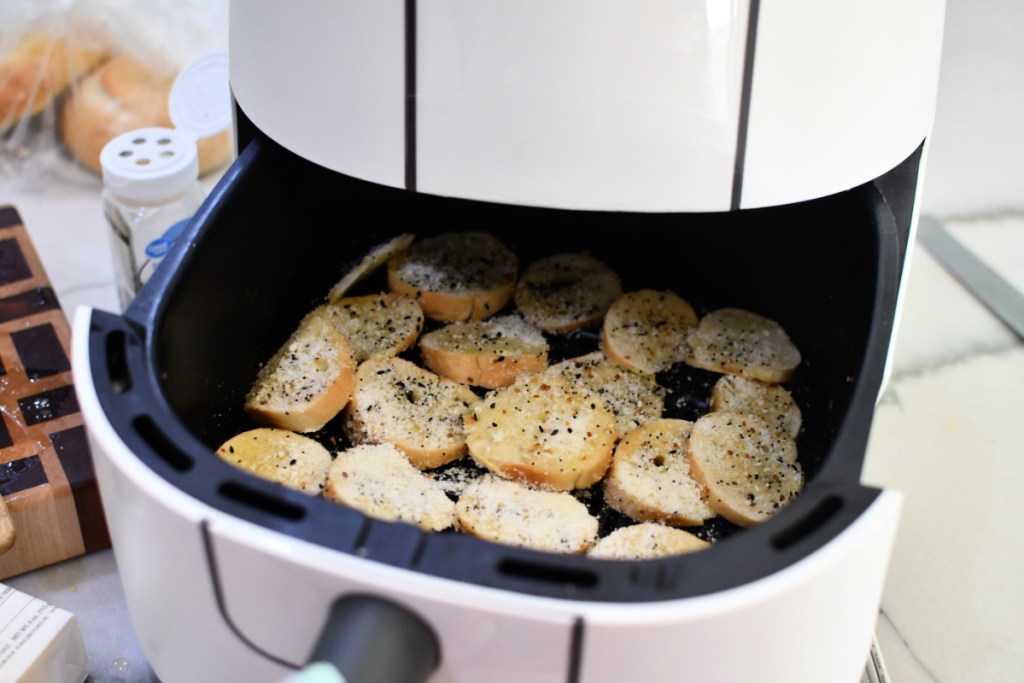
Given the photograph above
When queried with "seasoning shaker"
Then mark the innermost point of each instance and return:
(151, 182)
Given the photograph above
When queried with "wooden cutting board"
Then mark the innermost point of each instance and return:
(46, 474)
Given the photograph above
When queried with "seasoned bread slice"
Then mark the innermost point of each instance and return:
(279, 455)
(566, 292)
(456, 276)
(645, 331)
(378, 324)
(542, 430)
(631, 397)
(379, 481)
(307, 381)
(771, 402)
(485, 353)
(646, 541)
(747, 470)
(513, 514)
(649, 478)
(420, 413)
(740, 342)
(377, 257)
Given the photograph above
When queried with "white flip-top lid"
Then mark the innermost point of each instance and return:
(150, 164)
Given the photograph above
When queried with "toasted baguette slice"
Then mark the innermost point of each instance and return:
(513, 514)
(631, 397)
(420, 413)
(645, 331)
(739, 342)
(456, 276)
(485, 353)
(747, 470)
(379, 481)
(307, 381)
(771, 402)
(566, 292)
(646, 541)
(378, 256)
(543, 430)
(279, 455)
(649, 479)
(378, 324)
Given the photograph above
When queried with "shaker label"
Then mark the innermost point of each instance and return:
(159, 247)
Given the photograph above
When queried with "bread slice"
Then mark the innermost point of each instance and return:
(485, 353)
(632, 398)
(377, 257)
(456, 276)
(420, 413)
(307, 381)
(379, 481)
(566, 292)
(649, 479)
(543, 430)
(513, 514)
(646, 541)
(771, 402)
(740, 342)
(40, 66)
(747, 470)
(645, 331)
(279, 455)
(377, 324)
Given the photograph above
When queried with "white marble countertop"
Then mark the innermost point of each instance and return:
(945, 432)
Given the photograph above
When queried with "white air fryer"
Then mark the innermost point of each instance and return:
(762, 154)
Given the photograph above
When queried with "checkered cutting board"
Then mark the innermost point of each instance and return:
(46, 474)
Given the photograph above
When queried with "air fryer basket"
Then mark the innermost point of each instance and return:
(278, 231)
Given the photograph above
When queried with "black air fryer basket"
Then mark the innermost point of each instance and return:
(278, 231)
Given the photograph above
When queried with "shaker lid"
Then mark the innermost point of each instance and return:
(151, 164)
(200, 100)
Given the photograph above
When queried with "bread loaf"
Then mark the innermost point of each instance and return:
(456, 276)
(632, 398)
(650, 480)
(771, 402)
(566, 292)
(308, 380)
(543, 430)
(422, 414)
(485, 353)
(377, 324)
(124, 95)
(741, 342)
(645, 330)
(40, 67)
(379, 481)
(644, 542)
(747, 470)
(513, 514)
(279, 455)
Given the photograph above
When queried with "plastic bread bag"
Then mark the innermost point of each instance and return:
(44, 50)
(75, 74)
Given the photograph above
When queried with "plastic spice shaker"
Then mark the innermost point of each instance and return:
(151, 175)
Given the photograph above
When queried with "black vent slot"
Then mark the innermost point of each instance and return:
(536, 571)
(262, 501)
(159, 442)
(817, 518)
(117, 363)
